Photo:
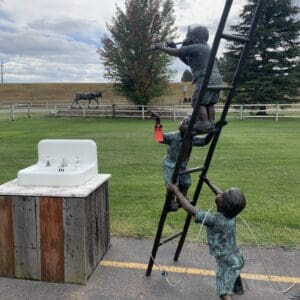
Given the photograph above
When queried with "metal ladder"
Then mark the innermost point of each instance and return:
(247, 41)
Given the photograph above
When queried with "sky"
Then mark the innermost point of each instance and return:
(57, 40)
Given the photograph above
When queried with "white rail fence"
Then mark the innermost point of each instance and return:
(242, 111)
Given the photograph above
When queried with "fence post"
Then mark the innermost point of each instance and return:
(29, 110)
(277, 112)
(13, 117)
(113, 110)
(83, 111)
(174, 113)
(55, 110)
(143, 112)
(241, 112)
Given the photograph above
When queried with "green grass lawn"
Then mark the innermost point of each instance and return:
(262, 157)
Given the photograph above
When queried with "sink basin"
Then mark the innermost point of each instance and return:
(62, 163)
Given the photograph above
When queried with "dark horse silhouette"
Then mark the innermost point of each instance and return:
(87, 96)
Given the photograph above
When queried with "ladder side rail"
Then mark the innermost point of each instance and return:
(159, 231)
(197, 192)
(193, 118)
(213, 144)
(211, 61)
(229, 98)
(242, 59)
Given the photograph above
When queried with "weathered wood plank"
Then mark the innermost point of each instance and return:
(107, 218)
(96, 226)
(89, 233)
(74, 224)
(100, 223)
(52, 239)
(7, 263)
(26, 237)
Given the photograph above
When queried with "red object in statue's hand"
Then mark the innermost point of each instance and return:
(158, 133)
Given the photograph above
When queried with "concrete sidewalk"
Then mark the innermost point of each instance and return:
(121, 275)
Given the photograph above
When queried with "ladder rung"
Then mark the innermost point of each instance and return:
(192, 170)
(170, 238)
(235, 38)
(220, 87)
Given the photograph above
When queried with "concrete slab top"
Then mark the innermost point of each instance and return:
(12, 188)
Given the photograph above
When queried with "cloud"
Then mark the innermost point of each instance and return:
(56, 41)
(42, 70)
(77, 29)
(205, 13)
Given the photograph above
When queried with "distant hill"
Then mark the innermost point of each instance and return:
(65, 93)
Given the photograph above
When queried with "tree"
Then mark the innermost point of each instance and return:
(187, 76)
(270, 72)
(139, 75)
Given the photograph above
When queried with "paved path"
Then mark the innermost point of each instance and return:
(121, 275)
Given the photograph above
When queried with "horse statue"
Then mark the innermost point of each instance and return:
(87, 96)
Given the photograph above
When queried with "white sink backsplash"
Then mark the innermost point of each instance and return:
(62, 163)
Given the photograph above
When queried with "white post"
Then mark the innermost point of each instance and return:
(277, 112)
(143, 112)
(174, 113)
(113, 110)
(83, 111)
(55, 110)
(241, 112)
(13, 117)
(29, 110)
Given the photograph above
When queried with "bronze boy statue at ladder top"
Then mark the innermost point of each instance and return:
(221, 235)
(174, 140)
(195, 53)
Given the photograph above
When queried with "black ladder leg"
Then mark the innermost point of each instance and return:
(159, 231)
(183, 236)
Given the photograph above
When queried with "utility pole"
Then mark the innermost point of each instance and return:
(2, 72)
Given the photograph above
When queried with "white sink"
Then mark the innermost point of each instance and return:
(62, 163)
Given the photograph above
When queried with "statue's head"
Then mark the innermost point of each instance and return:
(232, 203)
(196, 34)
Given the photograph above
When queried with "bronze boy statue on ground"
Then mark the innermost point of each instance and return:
(195, 53)
(174, 140)
(221, 232)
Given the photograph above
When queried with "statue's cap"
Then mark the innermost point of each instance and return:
(233, 202)
(199, 33)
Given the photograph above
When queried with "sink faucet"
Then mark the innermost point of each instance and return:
(48, 161)
(63, 163)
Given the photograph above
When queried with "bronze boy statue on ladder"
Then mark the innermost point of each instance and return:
(195, 53)
(221, 235)
(174, 140)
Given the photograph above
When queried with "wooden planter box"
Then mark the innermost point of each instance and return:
(53, 234)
